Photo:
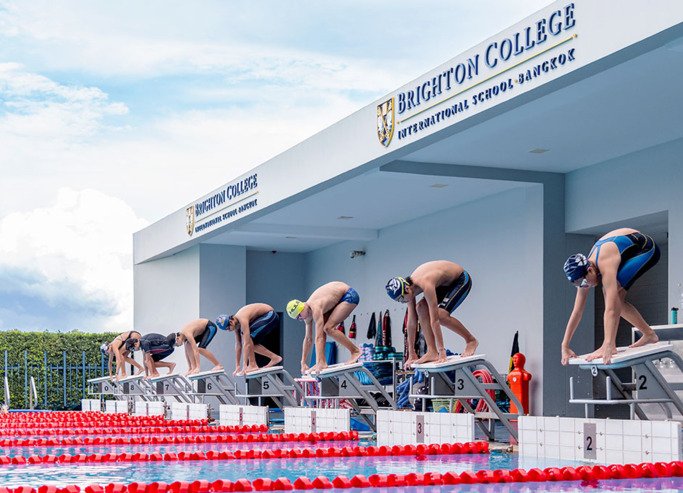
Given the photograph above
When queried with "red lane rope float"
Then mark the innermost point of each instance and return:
(135, 430)
(75, 417)
(305, 453)
(237, 437)
(588, 475)
(112, 424)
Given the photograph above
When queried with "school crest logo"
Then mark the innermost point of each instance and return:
(385, 122)
(189, 220)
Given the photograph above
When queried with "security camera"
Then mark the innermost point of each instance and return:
(357, 253)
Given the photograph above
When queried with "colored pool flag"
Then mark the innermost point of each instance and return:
(515, 349)
(372, 328)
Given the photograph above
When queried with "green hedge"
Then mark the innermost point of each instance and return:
(27, 353)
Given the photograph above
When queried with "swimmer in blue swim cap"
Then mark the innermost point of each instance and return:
(616, 260)
(252, 324)
(445, 286)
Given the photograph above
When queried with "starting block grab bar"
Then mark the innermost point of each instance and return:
(644, 384)
(105, 386)
(454, 380)
(215, 384)
(174, 386)
(275, 383)
(342, 382)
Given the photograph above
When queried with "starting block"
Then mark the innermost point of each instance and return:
(645, 385)
(356, 385)
(137, 387)
(174, 386)
(454, 380)
(105, 386)
(275, 383)
(215, 384)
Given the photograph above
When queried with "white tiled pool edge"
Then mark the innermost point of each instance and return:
(91, 405)
(611, 441)
(236, 415)
(183, 410)
(113, 406)
(406, 428)
(146, 408)
(316, 420)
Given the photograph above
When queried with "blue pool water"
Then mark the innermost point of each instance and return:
(184, 447)
(84, 474)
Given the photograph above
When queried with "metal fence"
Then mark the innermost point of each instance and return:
(60, 383)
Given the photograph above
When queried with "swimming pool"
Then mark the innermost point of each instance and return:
(310, 463)
(84, 474)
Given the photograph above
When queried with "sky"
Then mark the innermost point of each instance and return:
(115, 114)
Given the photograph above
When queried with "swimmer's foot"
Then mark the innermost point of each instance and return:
(354, 357)
(317, 368)
(274, 362)
(217, 367)
(646, 339)
(428, 357)
(470, 347)
(250, 369)
(170, 368)
(410, 362)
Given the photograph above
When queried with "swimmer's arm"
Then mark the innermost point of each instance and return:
(111, 360)
(247, 343)
(147, 360)
(411, 328)
(433, 305)
(131, 361)
(238, 352)
(612, 304)
(576, 316)
(307, 344)
(120, 362)
(320, 338)
(189, 355)
(194, 349)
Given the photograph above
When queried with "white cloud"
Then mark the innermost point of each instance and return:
(74, 256)
(35, 106)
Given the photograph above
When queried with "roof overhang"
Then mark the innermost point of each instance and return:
(603, 82)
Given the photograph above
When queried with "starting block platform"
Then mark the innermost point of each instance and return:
(173, 387)
(644, 385)
(105, 386)
(136, 387)
(214, 384)
(454, 380)
(275, 383)
(354, 384)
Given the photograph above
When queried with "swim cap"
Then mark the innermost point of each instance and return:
(104, 348)
(295, 307)
(396, 289)
(222, 322)
(576, 267)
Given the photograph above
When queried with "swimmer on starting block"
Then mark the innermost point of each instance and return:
(617, 259)
(327, 307)
(251, 324)
(196, 336)
(155, 348)
(445, 285)
(117, 350)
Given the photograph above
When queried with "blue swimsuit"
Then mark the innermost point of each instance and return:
(639, 253)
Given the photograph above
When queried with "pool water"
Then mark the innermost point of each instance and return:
(147, 472)
(183, 447)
